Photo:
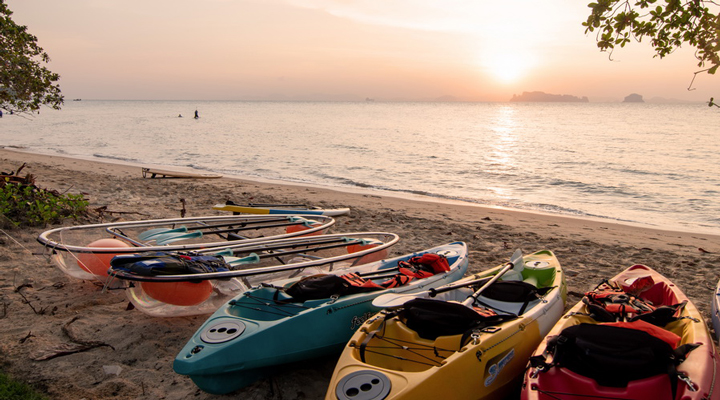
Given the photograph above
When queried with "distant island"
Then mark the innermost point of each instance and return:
(547, 97)
(633, 98)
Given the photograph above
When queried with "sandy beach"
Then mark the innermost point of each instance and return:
(71, 341)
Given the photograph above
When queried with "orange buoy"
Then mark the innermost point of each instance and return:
(99, 263)
(178, 293)
(304, 227)
(376, 256)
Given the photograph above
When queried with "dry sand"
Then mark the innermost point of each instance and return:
(128, 355)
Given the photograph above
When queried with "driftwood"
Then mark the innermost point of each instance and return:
(14, 177)
(77, 346)
(103, 210)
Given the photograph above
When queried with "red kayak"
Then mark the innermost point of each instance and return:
(636, 336)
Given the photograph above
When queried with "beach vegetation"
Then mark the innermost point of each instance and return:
(24, 204)
(25, 83)
(667, 25)
(13, 389)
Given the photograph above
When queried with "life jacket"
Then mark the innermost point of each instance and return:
(400, 279)
(327, 285)
(609, 304)
(431, 263)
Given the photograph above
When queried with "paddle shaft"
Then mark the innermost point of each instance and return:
(471, 299)
(434, 292)
(328, 244)
(306, 250)
(302, 242)
(271, 205)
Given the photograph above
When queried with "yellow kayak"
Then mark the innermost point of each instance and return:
(471, 341)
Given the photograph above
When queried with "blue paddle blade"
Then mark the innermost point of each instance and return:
(304, 221)
(224, 253)
(151, 233)
(251, 259)
(164, 239)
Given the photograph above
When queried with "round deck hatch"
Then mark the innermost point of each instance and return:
(448, 253)
(537, 264)
(222, 331)
(363, 385)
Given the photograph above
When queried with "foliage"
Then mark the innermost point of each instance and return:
(25, 84)
(28, 205)
(668, 26)
(12, 389)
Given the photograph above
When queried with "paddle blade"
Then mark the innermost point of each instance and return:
(391, 300)
(152, 233)
(251, 259)
(174, 237)
(517, 259)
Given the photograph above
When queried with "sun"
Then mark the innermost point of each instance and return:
(507, 67)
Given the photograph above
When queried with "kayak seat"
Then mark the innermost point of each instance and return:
(511, 297)
(324, 286)
(433, 318)
(613, 356)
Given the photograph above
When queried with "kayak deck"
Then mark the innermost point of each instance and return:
(319, 326)
(390, 357)
(545, 380)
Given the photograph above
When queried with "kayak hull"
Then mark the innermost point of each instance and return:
(700, 366)
(252, 264)
(715, 311)
(385, 359)
(248, 336)
(84, 251)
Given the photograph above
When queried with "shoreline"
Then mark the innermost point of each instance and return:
(46, 311)
(369, 191)
(128, 168)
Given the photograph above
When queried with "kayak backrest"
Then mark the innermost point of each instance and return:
(433, 318)
(322, 286)
(511, 297)
(614, 356)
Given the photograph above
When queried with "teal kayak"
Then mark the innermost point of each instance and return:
(267, 326)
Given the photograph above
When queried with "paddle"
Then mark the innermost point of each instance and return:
(516, 258)
(272, 205)
(151, 233)
(251, 259)
(241, 225)
(391, 300)
(164, 239)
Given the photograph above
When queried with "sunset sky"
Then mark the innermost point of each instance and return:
(475, 50)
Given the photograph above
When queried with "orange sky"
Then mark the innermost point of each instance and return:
(473, 50)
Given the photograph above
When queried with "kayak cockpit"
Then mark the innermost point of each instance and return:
(441, 326)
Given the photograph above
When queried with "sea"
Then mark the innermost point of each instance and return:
(653, 165)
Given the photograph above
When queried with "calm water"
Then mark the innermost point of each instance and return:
(650, 164)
